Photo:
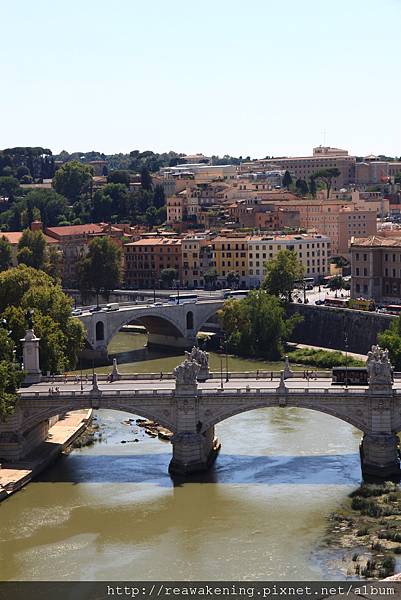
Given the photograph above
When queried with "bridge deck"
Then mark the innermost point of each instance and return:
(293, 385)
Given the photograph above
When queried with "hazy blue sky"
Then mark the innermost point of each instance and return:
(255, 77)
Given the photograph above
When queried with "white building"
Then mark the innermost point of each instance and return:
(313, 250)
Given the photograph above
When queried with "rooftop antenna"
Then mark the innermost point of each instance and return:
(324, 137)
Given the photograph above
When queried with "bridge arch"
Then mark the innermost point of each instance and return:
(357, 420)
(133, 408)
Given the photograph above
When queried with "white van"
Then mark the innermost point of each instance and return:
(112, 306)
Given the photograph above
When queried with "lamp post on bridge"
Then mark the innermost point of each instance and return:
(226, 351)
(346, 359)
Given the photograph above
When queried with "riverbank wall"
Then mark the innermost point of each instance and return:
(338, 328)
(14, 476)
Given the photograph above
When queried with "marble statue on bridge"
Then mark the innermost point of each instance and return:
(202, 358)
(187, 372)
(379, 367)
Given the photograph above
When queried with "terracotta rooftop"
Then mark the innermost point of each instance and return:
(14, 237)
(156, 242)
(75, 229)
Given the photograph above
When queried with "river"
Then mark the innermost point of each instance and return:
(112, 512)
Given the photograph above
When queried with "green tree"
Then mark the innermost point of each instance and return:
(168, 276)
(32, 249)
(159, 198)
(256, 325)
(391, 339)
(233, 279)
(62, 336)
(10, 380)
(301, 187)
(111, 199)
(50, 204)
(327, 176)
(287, 180)
(5, 253)
(210, 278)
(122, 177)
(73, 180)
(9, 188)
(100, 270)
(312, 187)
(281, 274)
(146, 179)
(337, 283)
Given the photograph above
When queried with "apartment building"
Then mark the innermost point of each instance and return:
(312, 250)
(73, 241)
(197, 259)
(230, 255)
(336, 219)
(146, 258)
(303, 167)
(376, 268)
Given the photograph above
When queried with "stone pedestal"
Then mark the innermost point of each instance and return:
(30, 345)
(380, 455)
(193, 452)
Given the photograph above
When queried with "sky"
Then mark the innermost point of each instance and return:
(257, 78)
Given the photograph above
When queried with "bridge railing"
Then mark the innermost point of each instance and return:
(161, 375)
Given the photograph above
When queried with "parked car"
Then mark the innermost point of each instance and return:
(319, 302)
(76, 312)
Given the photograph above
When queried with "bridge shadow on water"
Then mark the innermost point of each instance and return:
(336, 469)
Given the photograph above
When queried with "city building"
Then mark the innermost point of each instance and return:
(197, 259)
(303, 167)
(146, 258)
(230, 255)
(376, 268)
(336, 219)
(312, 250)
(73, 241)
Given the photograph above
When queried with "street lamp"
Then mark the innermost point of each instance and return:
(221, 373)
(80, 364)
(225, 347)
(346, 359)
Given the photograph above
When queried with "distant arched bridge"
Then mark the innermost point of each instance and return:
(167, 325)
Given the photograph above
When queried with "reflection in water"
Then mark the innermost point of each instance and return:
(112, 511)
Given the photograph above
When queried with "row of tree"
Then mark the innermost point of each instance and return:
(303, 187)
(73, 200)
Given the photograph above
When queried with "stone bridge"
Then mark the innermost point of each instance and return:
(173, 326)
(191, 404)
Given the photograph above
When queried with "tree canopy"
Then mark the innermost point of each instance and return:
(61, 336)
(327, 176)
(5, 253)
(256, 325)
(281, 274)
(73, 180)
(391, 339)
(100, 270)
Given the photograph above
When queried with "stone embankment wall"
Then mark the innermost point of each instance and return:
(325, 326)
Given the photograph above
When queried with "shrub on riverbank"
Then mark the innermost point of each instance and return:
(324, 359)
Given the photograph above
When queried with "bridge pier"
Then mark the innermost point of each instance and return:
(380, 455)
(193, 452)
